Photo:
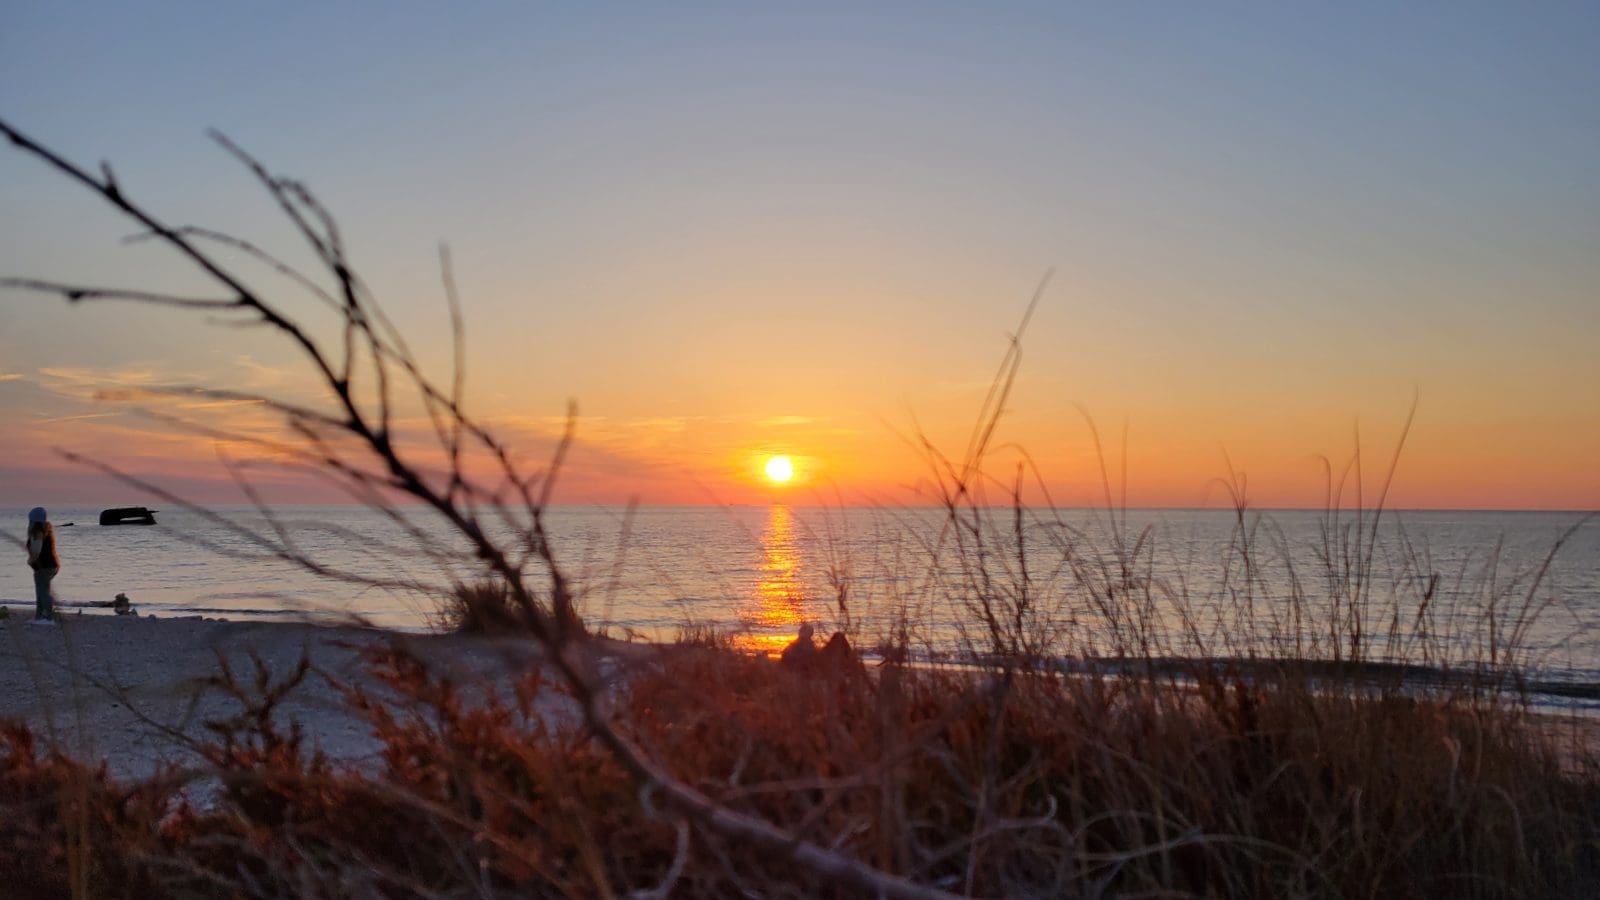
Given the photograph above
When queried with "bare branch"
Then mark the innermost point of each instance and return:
(251, 250)
(77, 292)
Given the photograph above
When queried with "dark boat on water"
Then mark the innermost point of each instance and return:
(128, 515)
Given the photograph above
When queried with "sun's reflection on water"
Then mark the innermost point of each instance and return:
(779, 598)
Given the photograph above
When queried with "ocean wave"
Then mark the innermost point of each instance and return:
(230, 610)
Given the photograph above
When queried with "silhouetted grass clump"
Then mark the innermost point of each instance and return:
(484, 607)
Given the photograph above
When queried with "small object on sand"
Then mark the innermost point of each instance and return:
(836, 657)
(837, 654)
(121, 605)
(128, 515)
(801, 652)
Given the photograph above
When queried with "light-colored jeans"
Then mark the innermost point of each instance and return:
(44, 599)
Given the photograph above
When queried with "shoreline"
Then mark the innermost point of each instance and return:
(130, 689)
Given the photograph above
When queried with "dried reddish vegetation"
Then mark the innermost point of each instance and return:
(1022, 785)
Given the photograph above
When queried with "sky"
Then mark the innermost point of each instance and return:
(729, 232)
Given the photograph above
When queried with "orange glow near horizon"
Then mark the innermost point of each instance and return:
(822, 447)
(1171, 461)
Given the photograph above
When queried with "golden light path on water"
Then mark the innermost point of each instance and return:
(779, 598)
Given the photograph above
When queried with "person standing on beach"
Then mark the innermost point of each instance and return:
(45, 562)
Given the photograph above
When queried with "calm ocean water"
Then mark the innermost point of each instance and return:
(761, 571)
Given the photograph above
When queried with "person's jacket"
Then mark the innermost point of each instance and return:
(42, 548)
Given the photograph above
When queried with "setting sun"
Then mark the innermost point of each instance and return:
(780, 469)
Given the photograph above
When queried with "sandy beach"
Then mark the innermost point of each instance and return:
(120, 687)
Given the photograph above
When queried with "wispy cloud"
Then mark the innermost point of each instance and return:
(84, 383)
(54, 419)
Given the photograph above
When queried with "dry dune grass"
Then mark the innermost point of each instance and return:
(1027, 784)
